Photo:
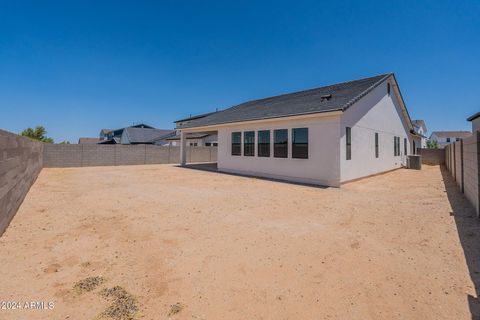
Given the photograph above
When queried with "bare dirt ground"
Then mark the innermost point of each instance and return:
(189, 244)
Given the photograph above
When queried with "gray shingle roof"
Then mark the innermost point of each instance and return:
(337, 97)
(198, 116)
(146, 135)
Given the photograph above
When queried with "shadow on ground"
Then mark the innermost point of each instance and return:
(212, 166)
(468, 227)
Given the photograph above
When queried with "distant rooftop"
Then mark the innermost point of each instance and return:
(87, 140)
(146, 135)
(454, 134)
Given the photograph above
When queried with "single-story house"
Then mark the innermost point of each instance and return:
(445, 137)
(325, 136)
(475, 120)
(420, 129)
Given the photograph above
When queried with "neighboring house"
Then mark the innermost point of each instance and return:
(105, 134)
(109, 136)
(445, 137)
(475, 120)
(134, 135)
(206, 139)
(87, 140)
(326, 136)
(421, 130)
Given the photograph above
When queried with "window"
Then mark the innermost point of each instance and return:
(280, 145)
(264, 143)
(388, 89)
(448, 139)
(396, 146)
(236, 143)
(249, 143)
(300, 143)
(414, 148)
(457, 139)
(376, 144)
(215, 144)
(208, 144)
(348, 140)
(405, 146)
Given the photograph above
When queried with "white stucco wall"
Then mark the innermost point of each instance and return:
(376, 112)
(422, 143)
(322, 167)
(476, 124)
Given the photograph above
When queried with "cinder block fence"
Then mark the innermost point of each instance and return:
(84, 155)
(22, 159)
(20, 164)
(462, 161)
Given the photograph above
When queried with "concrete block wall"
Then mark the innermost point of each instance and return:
(64, 155)
(432, 157)
(462, 160)
(20, 164)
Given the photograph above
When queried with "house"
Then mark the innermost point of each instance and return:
(445, 137)
(194, 139)
(134, 135)
(475, 120)
(420, 129)
(87, 140)
(325, 136)
(113, 136)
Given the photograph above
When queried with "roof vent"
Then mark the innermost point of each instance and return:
(326, 97)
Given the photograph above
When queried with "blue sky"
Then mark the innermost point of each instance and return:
(79, 66)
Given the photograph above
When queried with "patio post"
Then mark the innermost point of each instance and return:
(183, 148)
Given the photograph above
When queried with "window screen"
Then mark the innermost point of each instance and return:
(236, 143)
(349, 143)
(264, 143)
(376, 144)
(249, 143)
(396, 146)
(300, 143)
(280, 146)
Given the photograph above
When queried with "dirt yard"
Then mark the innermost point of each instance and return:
(189, 244)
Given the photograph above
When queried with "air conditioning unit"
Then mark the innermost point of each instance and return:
(414, 162)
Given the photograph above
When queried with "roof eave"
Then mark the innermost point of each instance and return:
(473, 117)
(332, 111)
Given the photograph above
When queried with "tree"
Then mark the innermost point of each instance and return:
(65, 142)
(37, 134)
(432, 144)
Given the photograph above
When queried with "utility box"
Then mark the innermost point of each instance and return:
(414, 162)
